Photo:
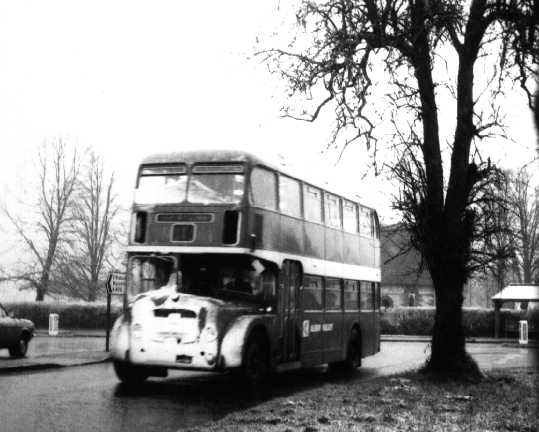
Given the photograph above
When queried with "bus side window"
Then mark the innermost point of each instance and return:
(365, 222)
(312, 203)
(263, 190)
(366, 296)
(333, 294)
(289, 196)
(311, 294)
(351, 295)
(332, 210)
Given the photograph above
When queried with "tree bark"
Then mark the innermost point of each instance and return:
(447, 267)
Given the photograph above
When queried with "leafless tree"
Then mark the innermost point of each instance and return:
(494, 246)
(524, 199)
(93, 232)
(354, 55)
(46, 233)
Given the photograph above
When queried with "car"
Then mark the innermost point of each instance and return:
(15, 333)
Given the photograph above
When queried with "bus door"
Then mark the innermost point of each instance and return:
(292, 276)
(312, 321)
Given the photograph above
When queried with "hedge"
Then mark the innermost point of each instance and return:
(405, 321)
(476, 322)
(71, 315)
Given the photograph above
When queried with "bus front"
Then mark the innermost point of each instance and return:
(194, 290)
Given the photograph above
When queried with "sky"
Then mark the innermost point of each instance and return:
(133, 77)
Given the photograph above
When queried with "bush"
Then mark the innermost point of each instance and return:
(72, 316)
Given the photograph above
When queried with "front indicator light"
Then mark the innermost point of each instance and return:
(208, 334)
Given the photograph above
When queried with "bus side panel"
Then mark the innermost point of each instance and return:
(366, 251)
(314, 239)
(333, 336)
(271, 229)
(377, 258)
(350, 250)
(291, 235)
(312, 340)
(368, 334)
(334, 245)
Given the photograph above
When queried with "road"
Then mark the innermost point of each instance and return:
(89, 398)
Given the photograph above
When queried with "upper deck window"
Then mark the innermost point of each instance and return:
(333, 211)
(365, 223)
(350, 216)
(312, 203)
(289, 196)
(208, 184)
(216, 184)
(263, 188)
(161, 184)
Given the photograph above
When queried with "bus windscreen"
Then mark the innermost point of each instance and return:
(158, 187)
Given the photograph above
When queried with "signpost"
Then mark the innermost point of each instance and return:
(116, 284)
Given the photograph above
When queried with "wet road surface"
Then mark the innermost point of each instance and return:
(90, 398)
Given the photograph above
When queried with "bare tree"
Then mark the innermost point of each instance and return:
(45, 234)
(95, 209)
(498, 248)
(357, 54)
(523, 198)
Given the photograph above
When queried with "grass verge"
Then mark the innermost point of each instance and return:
(506, 400)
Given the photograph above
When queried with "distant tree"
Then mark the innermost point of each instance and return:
(44, 229)
(92, 232)
(357, 55)
(524, 198)
(499, 246)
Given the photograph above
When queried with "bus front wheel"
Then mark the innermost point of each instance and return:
(129, 373)
(255, 367)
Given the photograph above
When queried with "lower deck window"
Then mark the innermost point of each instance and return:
(311, 294)
(351, 295)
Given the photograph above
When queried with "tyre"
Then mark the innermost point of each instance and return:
(255, 366)
(353, 354)
(129, 373)
(20, 349)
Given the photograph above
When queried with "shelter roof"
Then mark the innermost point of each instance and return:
(518, 292)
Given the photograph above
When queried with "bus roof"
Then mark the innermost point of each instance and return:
(214, 156)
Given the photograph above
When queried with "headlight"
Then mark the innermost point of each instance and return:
(136, 331)
(208, 334)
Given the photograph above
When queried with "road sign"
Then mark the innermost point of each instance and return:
(116, 283)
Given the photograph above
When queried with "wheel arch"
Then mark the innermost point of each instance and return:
(236, 337)
(26, 334)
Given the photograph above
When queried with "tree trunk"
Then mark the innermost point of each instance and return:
(42, 287)
(447, 266)
(92, 292)
(448, 345)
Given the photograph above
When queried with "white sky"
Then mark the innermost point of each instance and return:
(132, 77)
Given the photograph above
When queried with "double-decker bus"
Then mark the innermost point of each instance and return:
(235, 264)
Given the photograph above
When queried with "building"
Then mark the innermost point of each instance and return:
(406, 283)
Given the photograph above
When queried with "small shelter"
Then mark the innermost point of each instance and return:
(514, 293)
